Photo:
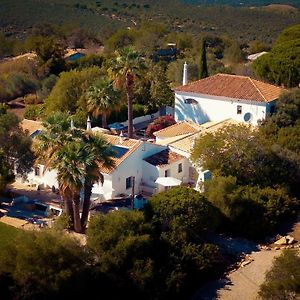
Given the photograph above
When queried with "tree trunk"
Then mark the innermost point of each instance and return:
(129, 88)
(67, 197)
(76, 210)
(104, 121)
(86, 204)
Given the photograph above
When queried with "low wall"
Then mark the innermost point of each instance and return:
(166, 111)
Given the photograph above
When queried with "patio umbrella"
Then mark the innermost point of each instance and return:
(168, 181)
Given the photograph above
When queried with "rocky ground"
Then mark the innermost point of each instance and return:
(245, 278)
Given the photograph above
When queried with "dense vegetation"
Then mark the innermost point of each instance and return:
(283, 280)
(163, 252)
(256, 172)
(244, 3)
(282, 64)
(159, 254)
(103, 17)
(15, 148)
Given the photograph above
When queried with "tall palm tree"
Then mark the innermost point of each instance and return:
(78, 157)
(71, 171)
(125, 68)
(98, 155)
(102, 99)
(56, 134)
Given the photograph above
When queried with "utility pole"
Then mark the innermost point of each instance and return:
(132, 192)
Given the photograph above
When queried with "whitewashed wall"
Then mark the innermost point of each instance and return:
(105, 191)
(137, 120)
(114, 183)
(213, 108)
(47, 179)
(133, 166)
(154, 172)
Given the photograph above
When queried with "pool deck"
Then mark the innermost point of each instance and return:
(43, 196)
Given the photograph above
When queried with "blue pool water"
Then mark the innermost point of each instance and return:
(75, 56)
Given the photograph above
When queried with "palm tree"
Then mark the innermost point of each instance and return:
(125, 68)
(56, 134)
(103, 98)
(98, 154)
(78, 157)
(71, 172)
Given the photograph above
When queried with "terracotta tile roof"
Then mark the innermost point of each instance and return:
(171, 139)
(131, 144)
(177, 129)
(233, 86)
(185, 144)
(163, 158)
(31, 126)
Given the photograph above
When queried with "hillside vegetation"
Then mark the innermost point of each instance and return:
(243, 3)
(103, 17)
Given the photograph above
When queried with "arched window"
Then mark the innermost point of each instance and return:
(190, 101)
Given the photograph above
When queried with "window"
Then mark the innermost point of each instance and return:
(239, 109)
(37, 171)
(272, 109)
(128, 182)
(190, 101)
(167, 173)
(179, 168)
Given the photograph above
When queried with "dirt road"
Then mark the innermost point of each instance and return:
(244, 283)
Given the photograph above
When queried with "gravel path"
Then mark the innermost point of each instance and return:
(244, 283)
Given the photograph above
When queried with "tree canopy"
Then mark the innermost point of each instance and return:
(15, 148)
(70, 91)
(282, 64)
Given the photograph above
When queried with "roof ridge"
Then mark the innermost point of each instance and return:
(194, 82)
(233, 75)
(193, 124)
(257, 88)
(164, 129)
(184, 137)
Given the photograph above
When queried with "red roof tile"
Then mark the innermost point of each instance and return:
(233, 86)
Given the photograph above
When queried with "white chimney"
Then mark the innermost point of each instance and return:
(88, 124)
(185, 74)
(121, 137)
(72, 124)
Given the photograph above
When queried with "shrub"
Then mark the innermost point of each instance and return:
(159, 123)
(33, 112)
(249, 211)
(31, 99)
(283, 280)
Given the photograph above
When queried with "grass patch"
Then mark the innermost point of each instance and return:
(7, 233)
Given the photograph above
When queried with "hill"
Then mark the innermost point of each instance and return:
(240, 3)
(18, 17)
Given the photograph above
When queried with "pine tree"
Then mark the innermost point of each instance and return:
(203, 71)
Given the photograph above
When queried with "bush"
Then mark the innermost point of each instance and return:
(283, 280)
(40, 264)
(31, 99)
(250, 212)
(14, 85)
(181, 218)
(159, 123)
(63, 222)
(33, 112)
(122, 114)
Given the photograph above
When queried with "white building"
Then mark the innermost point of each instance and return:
(224, 96)
(254, 56)
(166, 165)
(136, 168)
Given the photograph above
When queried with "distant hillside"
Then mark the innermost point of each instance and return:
(18, 17)
(295, 3)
